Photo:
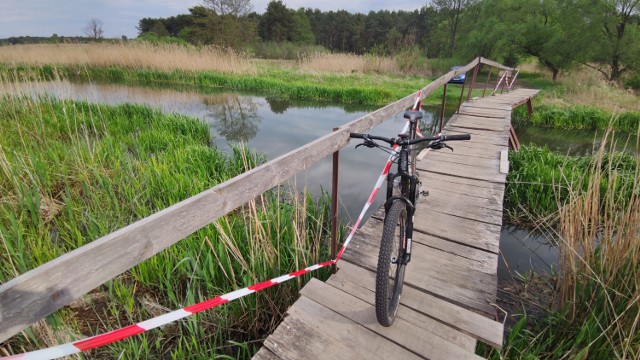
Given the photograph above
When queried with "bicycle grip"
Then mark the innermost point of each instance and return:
(456, 137)
(357, 135)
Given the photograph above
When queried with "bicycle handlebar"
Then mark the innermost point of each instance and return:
(456, 137)
(401, 140)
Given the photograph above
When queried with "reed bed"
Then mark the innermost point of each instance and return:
(587, 87)
(71, 172)
(597, 286)
(348, 63)
(132, 55)
(539, 177)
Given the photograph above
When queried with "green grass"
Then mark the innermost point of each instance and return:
(373, 90)
(540, 179)
(367, 89)
(577, 117)
(71, 172)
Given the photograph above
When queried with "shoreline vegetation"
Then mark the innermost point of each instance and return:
(73, 184)
(74, 171)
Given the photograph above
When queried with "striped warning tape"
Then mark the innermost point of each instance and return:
(131, 330)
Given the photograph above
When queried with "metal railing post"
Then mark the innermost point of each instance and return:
(334, 206)
(513, 80)
(464, 84)
(473, 80)
(498, 82)
(486, 84)
(444, 103)
(506, 81)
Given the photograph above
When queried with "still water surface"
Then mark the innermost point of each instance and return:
(269, 125)
(274, 126)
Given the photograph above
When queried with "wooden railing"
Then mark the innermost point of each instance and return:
(45, 289)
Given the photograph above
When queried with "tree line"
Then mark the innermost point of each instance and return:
(561, 34)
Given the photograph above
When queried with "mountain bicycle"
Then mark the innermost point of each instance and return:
(403, 190)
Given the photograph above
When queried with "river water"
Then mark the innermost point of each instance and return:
(273, 126)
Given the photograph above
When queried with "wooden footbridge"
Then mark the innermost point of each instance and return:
(450, 285)
(448, 302)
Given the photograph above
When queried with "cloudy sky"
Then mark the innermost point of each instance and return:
(120, 17)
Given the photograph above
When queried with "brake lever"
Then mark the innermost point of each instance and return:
(440, 145)
(368, 143)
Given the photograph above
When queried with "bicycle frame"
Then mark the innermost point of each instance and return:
(410, 197)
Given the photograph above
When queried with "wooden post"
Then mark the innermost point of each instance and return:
(514, 143)
(444, 103)
(529, 108)
(334, 206)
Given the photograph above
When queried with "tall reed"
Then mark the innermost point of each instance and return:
(132, 55)
(597, 289)
(348, 63)
(599, 242)
(71, 172)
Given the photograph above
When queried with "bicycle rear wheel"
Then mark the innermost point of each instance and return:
(390, 272)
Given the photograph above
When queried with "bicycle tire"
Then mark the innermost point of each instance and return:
(389, 279)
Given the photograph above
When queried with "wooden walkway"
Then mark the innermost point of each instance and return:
(450, 285)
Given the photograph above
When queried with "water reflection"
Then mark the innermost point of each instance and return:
(575, 142)
(523, 250)
(233, 116)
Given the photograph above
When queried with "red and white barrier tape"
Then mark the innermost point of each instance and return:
(131, 330)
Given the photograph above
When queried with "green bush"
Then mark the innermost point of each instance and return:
(633, 81)
(284, 50)
(153, 38)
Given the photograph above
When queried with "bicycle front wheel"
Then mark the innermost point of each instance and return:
(390, 272)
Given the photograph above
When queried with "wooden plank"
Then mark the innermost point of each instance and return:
(504, 161)
(462, 149)
(499, 138)
(465, 210)
(461, 192)
(479, 260)
(265, 354)
(365, 291)
(488, 174)
(489, 125)
(354, 286)
(332, 327)
(402, 332)
(490, 156)
(483, 113)
(454, 158)
(486, 105)
(297, 339)
(438, 272)
(494, 64)
(480, 123)
(469, 322)
(463, 231)
(446, 178)
(483, 133)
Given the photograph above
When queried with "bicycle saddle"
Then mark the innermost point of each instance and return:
(413, 115)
